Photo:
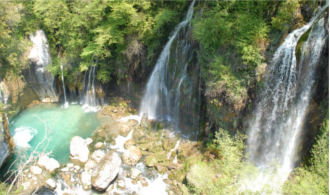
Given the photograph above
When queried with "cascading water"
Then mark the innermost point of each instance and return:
(163, 98)
(4, 150)
(274, 133)
(66, 104)
(90, 100)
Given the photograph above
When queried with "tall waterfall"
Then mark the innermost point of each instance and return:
(163, 99)
(41, 81)
(274, 133)
(4, 149)
(90, 99)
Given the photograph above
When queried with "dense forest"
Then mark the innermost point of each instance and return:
(233, 42)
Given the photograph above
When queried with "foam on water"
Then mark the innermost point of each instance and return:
(23, 135)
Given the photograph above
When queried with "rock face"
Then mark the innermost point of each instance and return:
(106, 171)
(7, 144)
(132, 156)
(78, 150)
(41, 81)
(49, 164)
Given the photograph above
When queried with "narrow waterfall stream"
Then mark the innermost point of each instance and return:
(274, 132)
(66, 104)
(163, 99)
(90, 102)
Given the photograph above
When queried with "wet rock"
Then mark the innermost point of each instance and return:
(49, 164)
(144, 182)
(121, 183)
(51, 183)
(124, 130)
(106, 171)
(132, 156)
(129, 143)
(98, 155)
(134, 173)
(98, 145)
(89, 141)
(78, 150)
(86, 180)
(36, 170)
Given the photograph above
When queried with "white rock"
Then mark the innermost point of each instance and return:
(34, 178)
(49, 164)
(36, 170)
(98, 155)
(132, 156)
(65, 169)
(77, 167)
(98, 145)
(121, 183)
(134, 173)
(89, 165)
(70, 165)
(89, 141)
(86, 180)
(51, 183)
(26, 185)
(79, 150)
(106, 171)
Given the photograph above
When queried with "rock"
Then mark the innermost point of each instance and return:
(124, 130)
(168, 145)
(26, 185)
(114, 110)
(98, 145)
(86, 180)
(34, 178)
(29, 176)
(65, 169)
(159, 167)
(151, 160)
(144, 182)
(111, 187)
(90, 165)
(138, 134)
(98, 155)
(134, 182)
(134, 173)
(89, 141)
(36, 170)
(70, 165)
(129, 143)
(132, 156)
(78, 150)
(77, 167)
(49, 164)
(121, 183)
(51, 183)
(106, 171)
(144, 147)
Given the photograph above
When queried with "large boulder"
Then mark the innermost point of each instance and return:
(49, 164)
(106, 171)
(78, 150)
(132, 156)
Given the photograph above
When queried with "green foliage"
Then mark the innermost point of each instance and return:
(313, 179)
(221, 176)
(285, 15)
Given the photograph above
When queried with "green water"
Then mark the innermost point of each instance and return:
(28, 130)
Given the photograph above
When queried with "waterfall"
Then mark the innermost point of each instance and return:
(4, 149)
(66, 104)
(161, 99)
(274, 133)
(90, 101)
(41, 81)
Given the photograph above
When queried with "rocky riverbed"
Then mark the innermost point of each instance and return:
(129, 157)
